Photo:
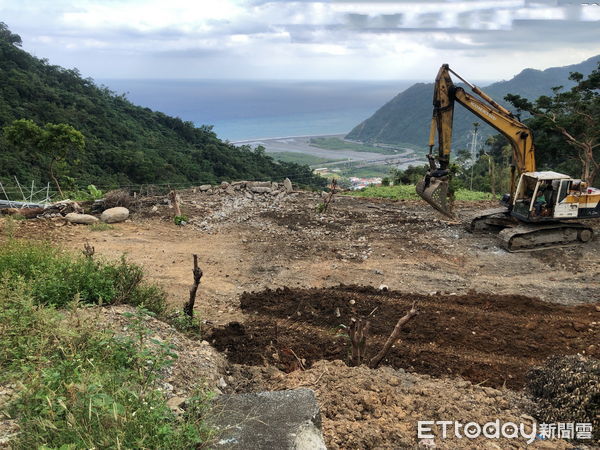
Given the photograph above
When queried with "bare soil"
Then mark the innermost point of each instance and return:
(279, 279)
(488, 339)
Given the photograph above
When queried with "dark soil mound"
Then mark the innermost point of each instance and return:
(490, 339)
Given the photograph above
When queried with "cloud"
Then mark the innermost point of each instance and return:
(316, 39)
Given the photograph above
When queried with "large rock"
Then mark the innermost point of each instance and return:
(260, 189)
(287, 184)
(84, 219)
(114, 215)
(261, 184)
(205, 187)
(268, 420)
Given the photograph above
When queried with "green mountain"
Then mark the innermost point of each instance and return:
(407, 117)
(125, 144)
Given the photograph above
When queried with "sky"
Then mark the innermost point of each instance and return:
(303, 39)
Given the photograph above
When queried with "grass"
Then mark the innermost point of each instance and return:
(56, 278)
(77, 384)
(301, 158)
(407, 192)
(100, 226)
(367, 172)
(335, 143)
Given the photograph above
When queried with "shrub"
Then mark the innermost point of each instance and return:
(118, 198)
(56, 278)
(567, 389)
(180, 220)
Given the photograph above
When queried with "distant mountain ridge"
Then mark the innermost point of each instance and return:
(406, 118)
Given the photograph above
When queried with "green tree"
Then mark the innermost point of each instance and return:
(8, 36)
(575, 115)
(54, 143)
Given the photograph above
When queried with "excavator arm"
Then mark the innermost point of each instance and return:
(434, 188)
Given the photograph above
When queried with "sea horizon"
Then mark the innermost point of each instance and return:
(249, 110)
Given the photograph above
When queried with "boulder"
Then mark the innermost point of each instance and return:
(267, 420)
(260, 189)
(84, 219)
(115, 215)
(204, 187)
(261, 184)
(287, 184)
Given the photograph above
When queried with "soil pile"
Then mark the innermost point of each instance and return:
(484, 338)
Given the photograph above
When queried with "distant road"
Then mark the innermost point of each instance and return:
(301, 144)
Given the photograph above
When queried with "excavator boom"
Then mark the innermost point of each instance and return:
(434, 188)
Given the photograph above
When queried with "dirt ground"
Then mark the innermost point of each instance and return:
(274, 266)
(487, 339)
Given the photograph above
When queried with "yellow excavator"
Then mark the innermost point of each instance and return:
(542, 207)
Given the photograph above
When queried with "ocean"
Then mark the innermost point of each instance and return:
(247, 110)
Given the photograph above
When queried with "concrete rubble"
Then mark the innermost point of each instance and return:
(283, 420)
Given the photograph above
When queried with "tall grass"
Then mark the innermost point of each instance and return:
(81, 386)
(77, 384)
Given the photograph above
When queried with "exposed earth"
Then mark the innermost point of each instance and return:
(282, 281)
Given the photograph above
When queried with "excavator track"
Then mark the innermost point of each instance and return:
(526, 238)
(490, 220)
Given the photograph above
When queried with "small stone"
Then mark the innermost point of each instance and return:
(383, 287)
(176, 402)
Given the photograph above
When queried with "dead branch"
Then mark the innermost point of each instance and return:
(188, 307)
(88, 250)
(332, 192)
(175, 202)
(358, 338)
(376, 360)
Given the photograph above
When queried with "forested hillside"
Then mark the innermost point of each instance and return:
(406, 118)
(124, 143)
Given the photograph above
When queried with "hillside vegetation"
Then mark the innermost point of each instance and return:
(71, 381)
(124, 143)
(406, 118)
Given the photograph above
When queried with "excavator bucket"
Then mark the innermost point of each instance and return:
(435, 192)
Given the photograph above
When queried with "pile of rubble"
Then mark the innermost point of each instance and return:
(249, 188)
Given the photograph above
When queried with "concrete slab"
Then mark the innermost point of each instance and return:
(269, 420)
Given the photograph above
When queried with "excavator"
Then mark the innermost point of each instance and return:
(542, 209)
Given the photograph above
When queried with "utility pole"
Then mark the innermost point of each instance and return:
(473, 151)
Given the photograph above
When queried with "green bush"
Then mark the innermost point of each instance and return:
(81, 386)
(56, 278)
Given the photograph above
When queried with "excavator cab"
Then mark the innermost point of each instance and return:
(548, 196)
